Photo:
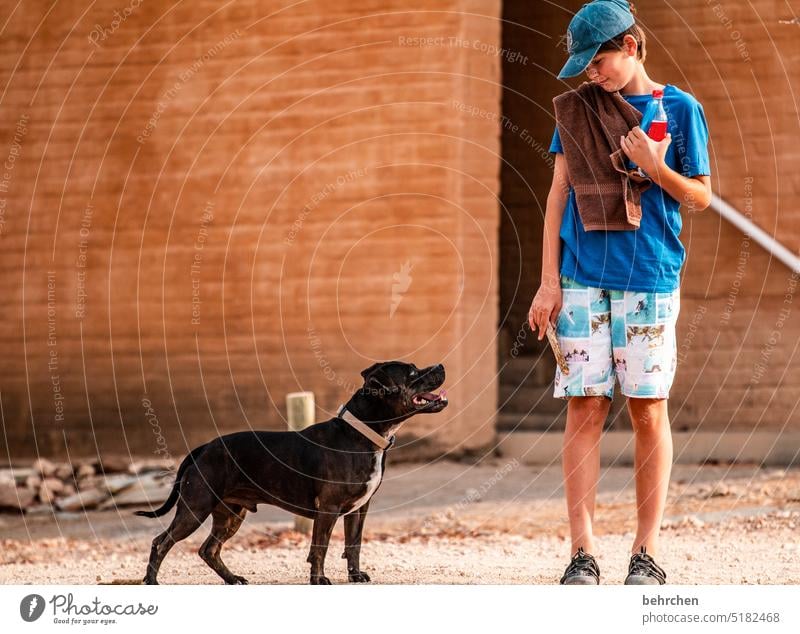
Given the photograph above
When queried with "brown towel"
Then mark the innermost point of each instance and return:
(590, 122)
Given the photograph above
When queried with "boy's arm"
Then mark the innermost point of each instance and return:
(554, 212)
(547, 302)
(694, 192)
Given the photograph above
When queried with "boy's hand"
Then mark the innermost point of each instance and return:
(642, 150)
(545, 307)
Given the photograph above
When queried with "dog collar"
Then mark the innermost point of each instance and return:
(347, 416)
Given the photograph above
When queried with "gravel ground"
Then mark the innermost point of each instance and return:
(494, 522)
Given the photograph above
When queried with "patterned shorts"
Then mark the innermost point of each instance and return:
(605, 333)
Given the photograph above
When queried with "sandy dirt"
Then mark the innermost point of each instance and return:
(495, 522)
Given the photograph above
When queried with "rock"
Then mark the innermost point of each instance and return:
(46, 496)
(13, 497)
(64, 471)
(88, 499)
(54, 484)
(90, 482)
(44, 467)
(33, 482)
(18, 475)
(719, 490)
(694, 521)
(85, 471)
(49, 489)
(146, 491)
(117, 483)
(162, 466)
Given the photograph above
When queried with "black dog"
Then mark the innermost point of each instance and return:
(322, 472)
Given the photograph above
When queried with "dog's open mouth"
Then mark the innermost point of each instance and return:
(426, 398)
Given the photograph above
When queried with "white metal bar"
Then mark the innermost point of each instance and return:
(742, 222)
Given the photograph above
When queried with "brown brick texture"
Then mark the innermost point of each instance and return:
(212, 205)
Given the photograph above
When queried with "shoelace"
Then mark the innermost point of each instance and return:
(583, 564)
(643, 564)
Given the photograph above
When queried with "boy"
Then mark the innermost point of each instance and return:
(614, 294)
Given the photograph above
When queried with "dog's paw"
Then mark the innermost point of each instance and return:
(319, 580)
(358, 577)
(236, 580)
(149, 581)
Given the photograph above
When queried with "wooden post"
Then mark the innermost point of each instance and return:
(299, 415)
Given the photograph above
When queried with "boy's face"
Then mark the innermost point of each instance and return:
(613, 70)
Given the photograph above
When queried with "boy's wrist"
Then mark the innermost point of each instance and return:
(659, 171)
(550, 279)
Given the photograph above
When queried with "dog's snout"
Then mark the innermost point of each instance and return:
(435, 373)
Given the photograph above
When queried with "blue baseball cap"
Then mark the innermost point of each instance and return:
(595, 23)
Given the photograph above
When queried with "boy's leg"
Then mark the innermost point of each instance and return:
(581, 464)
(583, 331)
(646, 348)
(653, 465)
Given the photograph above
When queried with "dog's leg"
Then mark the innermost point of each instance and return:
(227, 520)
(320, 536)
(353, 527)
(186, 521)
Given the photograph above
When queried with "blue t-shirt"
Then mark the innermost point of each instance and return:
(648, 259)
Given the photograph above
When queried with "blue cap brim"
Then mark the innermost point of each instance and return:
(578, 62)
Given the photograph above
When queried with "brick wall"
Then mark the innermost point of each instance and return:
(738, 330)
(211, 206)
(738, 327)
(204, 207)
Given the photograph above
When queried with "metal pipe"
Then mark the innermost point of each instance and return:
(742, 222)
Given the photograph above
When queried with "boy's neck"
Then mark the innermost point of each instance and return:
(640, 84)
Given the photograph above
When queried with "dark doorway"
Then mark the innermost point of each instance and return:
(533, 52)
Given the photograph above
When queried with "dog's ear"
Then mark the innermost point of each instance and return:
(370, 370)
(372, 382)
(376, 384)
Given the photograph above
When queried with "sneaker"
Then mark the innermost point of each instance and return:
(643, 571)
(582, 571)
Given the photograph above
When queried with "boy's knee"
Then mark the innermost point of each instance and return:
(590, 408)
(648, 415)
(647, 404)
(590, 402)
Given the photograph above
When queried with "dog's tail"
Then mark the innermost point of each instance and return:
(173, 495)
